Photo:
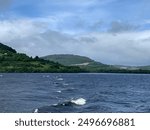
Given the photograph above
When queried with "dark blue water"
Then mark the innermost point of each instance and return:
(74, 93)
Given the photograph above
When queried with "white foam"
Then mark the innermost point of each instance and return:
(36, 111)
(1, 75)
(59, 91)
(60, 79)
(46, 76)
(80, 101)
(55, 104)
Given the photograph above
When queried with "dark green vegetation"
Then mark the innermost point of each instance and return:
(11, 61)
(68, 60)
(80, 61)
(92, 66)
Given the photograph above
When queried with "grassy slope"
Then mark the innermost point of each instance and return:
(94, 66)
(75, 60)
(11, 61)
(67, 59)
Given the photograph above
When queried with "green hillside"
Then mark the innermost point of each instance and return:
(11, 61)
(67, 59)
(145, 67)
(80, 61)
(92, 66)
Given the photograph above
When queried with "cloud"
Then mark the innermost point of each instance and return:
(129, 48)
(13, 29)
(33, 37)
(121, 27)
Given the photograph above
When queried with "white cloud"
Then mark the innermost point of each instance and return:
(14, 29)
(33, 37)
(130, 48)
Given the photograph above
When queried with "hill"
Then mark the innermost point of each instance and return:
(92, 66)
(80, 61)
(11, 61)
(68, 59)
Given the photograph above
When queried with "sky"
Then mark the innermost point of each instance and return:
(113, 32)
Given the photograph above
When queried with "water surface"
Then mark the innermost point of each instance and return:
(46, 92)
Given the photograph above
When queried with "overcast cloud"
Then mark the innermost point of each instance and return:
(118, 27)
(96, 29)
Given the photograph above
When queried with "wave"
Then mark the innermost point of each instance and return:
(72, 102)
(59, 83)
(36, 110)
(80, 101)
(65, 84)
(66, 90)
(71, 89)
(59, 91)
(60, 79)
(65, 106)
(46, 76)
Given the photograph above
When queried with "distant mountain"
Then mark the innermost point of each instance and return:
(80, 61)
(69, 60)
(93, 66)
(11, 61)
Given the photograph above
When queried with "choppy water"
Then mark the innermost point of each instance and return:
(74, 92)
